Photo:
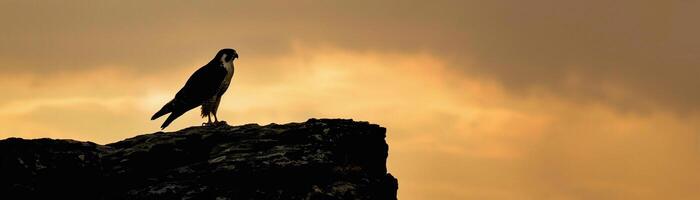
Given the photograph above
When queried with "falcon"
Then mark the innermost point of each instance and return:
(204, 88)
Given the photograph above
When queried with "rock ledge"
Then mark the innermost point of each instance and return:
(316, 159)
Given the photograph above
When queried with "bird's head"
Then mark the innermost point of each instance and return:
(226, 55)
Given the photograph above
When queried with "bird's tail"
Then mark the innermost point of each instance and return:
(167, 108)
(174, 115)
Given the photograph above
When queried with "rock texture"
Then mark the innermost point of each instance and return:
(317, 159)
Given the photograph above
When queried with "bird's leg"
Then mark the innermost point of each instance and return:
(217, 122)
(208, 123)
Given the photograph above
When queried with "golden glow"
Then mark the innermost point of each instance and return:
(471, 112)
(451, 135)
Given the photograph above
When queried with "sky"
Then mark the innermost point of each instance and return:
(502, 99)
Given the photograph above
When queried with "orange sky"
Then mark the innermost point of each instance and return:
(501, 99)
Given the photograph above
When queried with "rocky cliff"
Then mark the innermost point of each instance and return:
(316, 159)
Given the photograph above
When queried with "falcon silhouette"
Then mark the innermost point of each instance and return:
(205, 87)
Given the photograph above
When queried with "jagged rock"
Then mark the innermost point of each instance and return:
(317, 159)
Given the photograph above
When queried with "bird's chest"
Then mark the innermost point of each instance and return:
(228, 66)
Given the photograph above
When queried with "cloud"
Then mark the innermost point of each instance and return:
(484, 100)
(630, 54)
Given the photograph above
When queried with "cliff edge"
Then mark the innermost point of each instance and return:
(316, 159)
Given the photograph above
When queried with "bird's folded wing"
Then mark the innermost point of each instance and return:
(203, 84)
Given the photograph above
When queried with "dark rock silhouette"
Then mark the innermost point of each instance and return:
(317, 159)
